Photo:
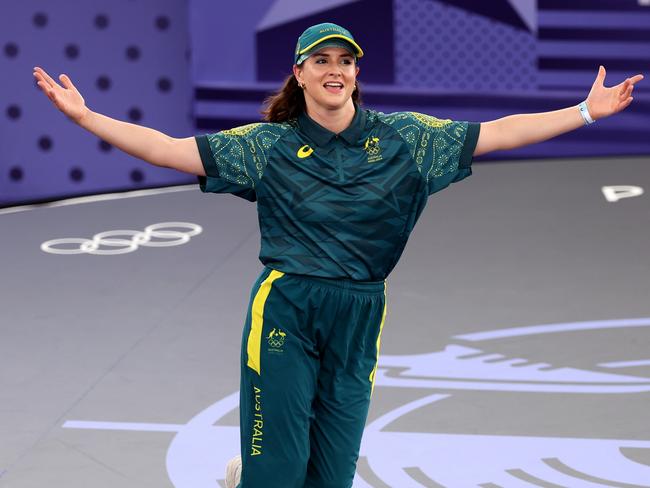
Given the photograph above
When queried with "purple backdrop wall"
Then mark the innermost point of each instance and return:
(129, 59)
(459, 59)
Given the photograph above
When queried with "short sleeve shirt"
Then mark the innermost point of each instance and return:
(338, 205)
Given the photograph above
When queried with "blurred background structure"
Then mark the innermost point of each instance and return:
(194, 66)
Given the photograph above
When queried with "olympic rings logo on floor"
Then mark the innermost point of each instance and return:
(125, 241)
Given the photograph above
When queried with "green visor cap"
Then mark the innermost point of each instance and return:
(324, 35)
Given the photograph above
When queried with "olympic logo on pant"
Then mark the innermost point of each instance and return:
(164, 234)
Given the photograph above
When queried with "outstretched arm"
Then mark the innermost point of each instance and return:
(144, 143)
(520, 130)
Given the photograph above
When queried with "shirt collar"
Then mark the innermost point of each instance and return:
(322, 136)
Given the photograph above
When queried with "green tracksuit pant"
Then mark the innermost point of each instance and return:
(309, 356)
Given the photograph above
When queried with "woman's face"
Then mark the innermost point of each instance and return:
(329, 76)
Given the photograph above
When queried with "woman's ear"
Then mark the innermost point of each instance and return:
(297, 72)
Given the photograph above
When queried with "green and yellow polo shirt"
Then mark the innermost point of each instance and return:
(338, 205)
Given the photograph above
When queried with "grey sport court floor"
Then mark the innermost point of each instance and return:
(516, 349)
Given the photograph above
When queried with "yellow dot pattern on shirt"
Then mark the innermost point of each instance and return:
(435, 144)
(244, 130)
(234, 148)
(430, 121)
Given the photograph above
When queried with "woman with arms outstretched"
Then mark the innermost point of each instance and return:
(339, 189)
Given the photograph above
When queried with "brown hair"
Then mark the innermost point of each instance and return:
(289, 101)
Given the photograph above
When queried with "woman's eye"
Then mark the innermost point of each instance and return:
(320, 61)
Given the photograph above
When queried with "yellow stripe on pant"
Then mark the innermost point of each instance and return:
(381, 327)
(254, 344)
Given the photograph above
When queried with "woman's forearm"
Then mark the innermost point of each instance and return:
(524, 129)
(138, 141)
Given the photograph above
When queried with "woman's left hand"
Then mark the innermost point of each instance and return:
(603, 101)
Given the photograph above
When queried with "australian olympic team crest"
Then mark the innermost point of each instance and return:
(472, 380)
(275, 340)
(373, 149)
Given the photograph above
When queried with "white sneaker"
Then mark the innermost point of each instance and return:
(233, 472)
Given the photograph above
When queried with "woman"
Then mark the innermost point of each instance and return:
(339, 189)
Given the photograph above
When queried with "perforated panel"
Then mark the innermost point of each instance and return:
(444, 47)
(130, 61)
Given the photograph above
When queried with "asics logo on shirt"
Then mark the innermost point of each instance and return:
(304, 152)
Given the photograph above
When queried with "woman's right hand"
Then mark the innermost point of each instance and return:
(66, 98)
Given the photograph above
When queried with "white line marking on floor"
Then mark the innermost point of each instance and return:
(99, 198)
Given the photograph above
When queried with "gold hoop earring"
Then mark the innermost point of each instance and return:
(301, 85)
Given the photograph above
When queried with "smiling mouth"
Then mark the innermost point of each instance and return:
(334, 87)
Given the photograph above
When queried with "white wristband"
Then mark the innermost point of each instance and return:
(584, 111)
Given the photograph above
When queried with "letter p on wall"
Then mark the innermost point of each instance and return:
(616, 193)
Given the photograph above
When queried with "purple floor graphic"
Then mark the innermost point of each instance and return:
(393, 458)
